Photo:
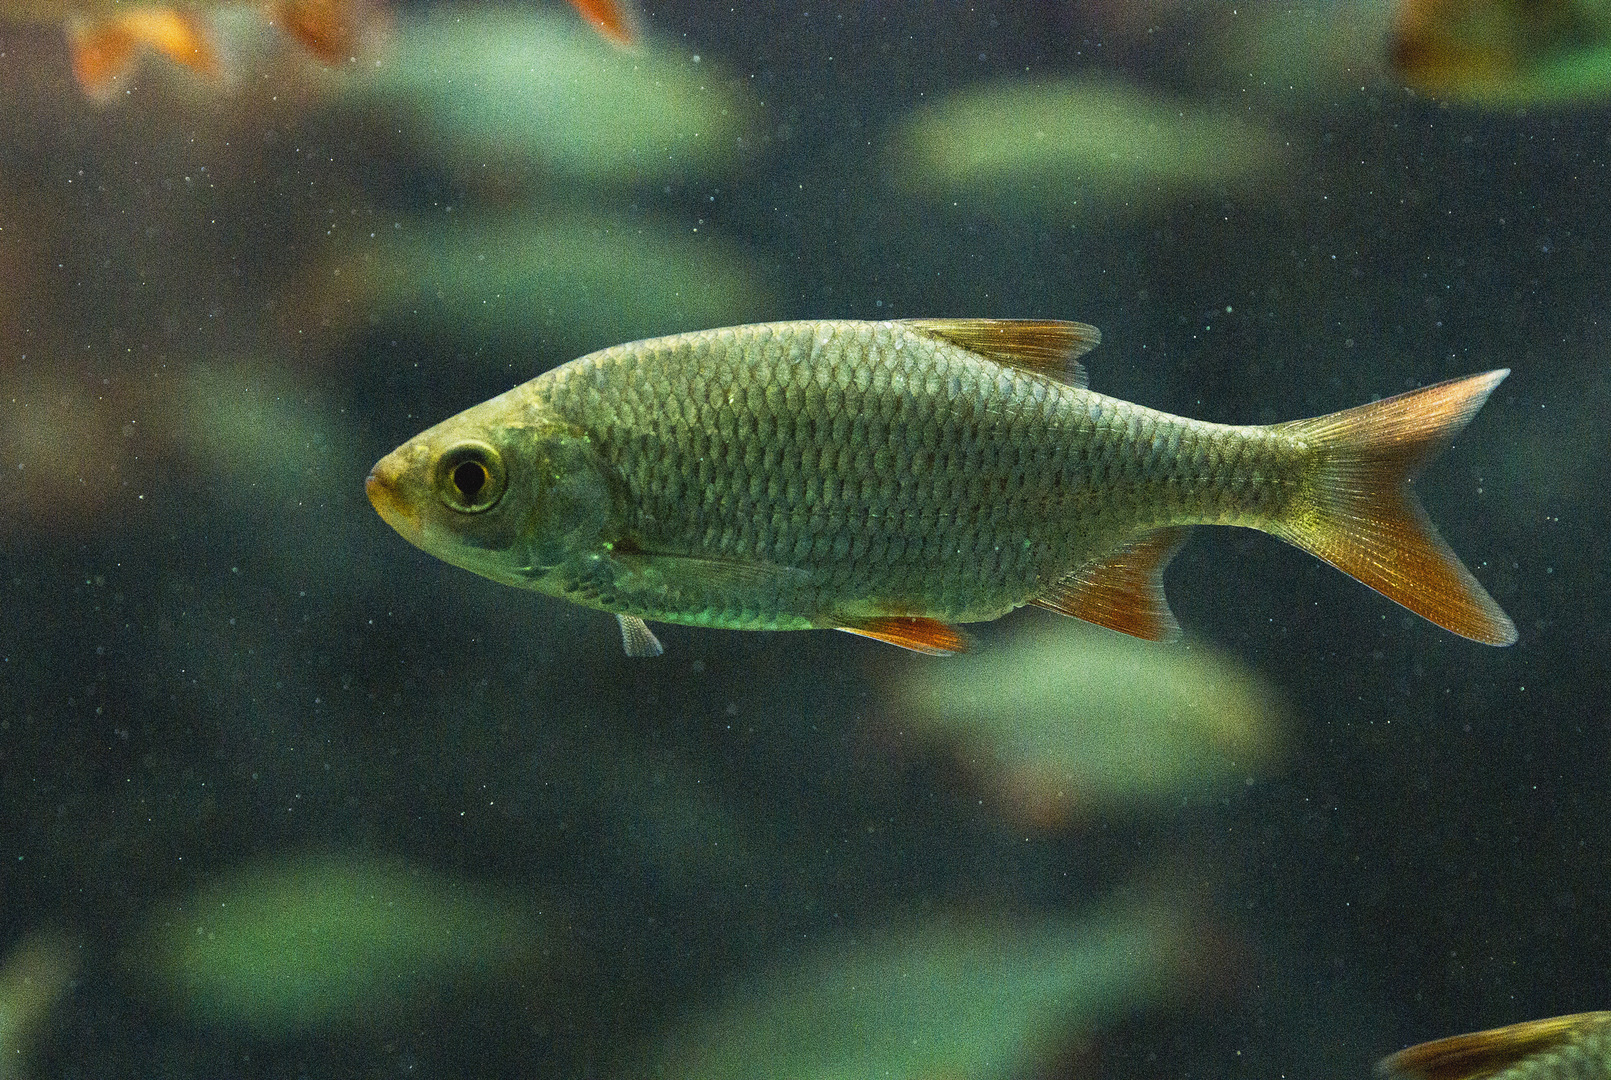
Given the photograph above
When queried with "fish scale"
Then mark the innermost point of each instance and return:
(897, 478)
(945, 484)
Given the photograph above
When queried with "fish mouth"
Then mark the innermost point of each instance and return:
(382, 488)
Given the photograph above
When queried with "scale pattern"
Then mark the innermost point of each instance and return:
(880, 470)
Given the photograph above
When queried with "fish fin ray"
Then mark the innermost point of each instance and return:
(1123, 592)
(914, 632)
(1485, 1053)
(1360, 515)
(636, 637)
(1047, 347)
(616, 20)
(104, 51)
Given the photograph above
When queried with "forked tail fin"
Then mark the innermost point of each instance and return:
(1359, 514)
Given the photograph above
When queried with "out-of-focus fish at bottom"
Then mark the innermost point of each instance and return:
(952, 996)
(1064, 721)
(307, 942)
(1573, 1047)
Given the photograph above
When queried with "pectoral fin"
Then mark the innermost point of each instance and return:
(636, 637)
(1123, 592)
(922, 635)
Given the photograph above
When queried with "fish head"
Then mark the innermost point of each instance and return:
(509, 500)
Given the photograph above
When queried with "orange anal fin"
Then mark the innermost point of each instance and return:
(1123, 592)
(105, 51)
(612, 18)
(922, 635)
(1484, 1053)
(329, 29)
(1360, 515)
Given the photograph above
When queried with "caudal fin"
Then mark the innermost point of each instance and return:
(1361, 516)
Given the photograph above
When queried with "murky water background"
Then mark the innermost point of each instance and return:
(283, 796)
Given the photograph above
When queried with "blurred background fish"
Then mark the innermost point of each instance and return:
(35, 974)
(107, 37)
(1062, 722)
(954, 994)
(1514, 52)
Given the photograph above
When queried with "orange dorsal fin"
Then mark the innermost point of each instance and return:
(1485, 1053)
(104, 51)
(919, 634)
(1357, 511)
(614, 19)
(1123, 592)
(1046, 347)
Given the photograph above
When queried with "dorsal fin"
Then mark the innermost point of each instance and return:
(1046, 347)
(1123, 592)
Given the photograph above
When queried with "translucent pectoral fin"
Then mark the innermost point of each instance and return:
(918, 634)
(636, 637)
(1123, 592)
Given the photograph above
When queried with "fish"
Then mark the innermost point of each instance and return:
(615, 19)
(1508, 52)
(1575, 1047)
(107, 37)
(898, 479)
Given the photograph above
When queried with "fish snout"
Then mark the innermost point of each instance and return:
(385, 490)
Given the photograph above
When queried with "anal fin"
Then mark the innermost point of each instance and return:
(1123, 592)
(916, 633)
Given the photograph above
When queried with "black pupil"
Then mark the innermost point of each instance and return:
(470, 478)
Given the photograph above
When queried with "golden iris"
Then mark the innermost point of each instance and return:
(470, 477)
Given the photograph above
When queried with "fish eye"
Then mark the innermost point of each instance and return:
(470, 477)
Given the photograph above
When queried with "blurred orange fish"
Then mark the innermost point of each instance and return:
(1504, 51)
(615, 19)
(107, 37)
